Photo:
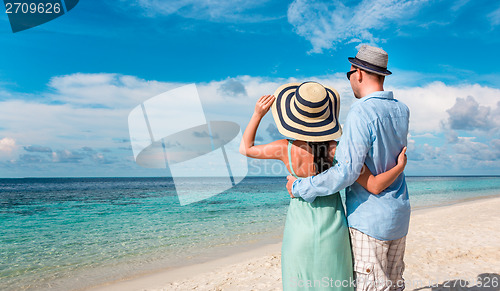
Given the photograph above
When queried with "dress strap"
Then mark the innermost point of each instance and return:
(290, 142)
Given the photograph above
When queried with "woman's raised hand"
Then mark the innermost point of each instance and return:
(263, 105)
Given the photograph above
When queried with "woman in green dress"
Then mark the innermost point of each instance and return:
(316, 251)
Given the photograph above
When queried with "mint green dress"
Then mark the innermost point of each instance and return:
(316, 250)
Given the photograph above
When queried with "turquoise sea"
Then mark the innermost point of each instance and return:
(72, 233)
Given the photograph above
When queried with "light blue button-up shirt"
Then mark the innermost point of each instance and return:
(375, 132)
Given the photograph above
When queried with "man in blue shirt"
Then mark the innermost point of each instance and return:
(374, 133)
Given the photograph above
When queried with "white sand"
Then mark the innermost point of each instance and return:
(456, 242)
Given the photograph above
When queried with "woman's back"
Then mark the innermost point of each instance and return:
(300, 159)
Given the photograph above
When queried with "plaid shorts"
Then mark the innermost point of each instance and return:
(378, 264)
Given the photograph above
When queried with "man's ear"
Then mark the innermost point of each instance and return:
(360, 75)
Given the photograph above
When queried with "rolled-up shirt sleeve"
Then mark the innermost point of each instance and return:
(350, 154)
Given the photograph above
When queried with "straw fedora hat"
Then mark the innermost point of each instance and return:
(371, 59)
(307, 111)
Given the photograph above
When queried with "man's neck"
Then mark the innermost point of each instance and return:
(371, 89)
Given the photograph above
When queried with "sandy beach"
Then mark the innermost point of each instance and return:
(448, 247)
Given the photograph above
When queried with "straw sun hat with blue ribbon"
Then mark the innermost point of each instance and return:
(307, 111)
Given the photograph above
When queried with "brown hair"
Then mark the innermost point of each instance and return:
(321, 155)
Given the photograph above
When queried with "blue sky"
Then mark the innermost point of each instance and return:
(67, 86)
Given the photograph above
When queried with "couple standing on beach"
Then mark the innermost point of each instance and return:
(321, 249)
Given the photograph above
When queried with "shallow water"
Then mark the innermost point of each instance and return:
(63, 234)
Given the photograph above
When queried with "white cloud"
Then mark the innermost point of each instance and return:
(87, 114)
(459, 4)
(429, 104)
(425, 135)
(105, 90)
(241, 108)
(467, 114)
(8, 146)
(327, 23)
(480, 151)
(91, 111)
(31, 122)
(116, 95)
(213, 10)
(494, 17)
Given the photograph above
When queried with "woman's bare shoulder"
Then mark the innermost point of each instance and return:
(302, 145)
(277, 148)
(280, 142)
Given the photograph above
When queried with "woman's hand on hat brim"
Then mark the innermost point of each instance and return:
(263, 104)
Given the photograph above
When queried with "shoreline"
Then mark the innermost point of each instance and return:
(169, 275)
(455, 202)
(263, 254)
